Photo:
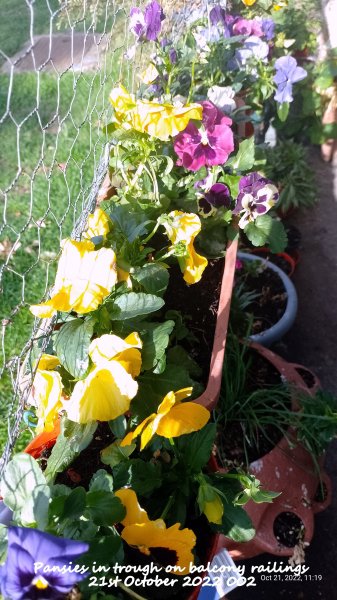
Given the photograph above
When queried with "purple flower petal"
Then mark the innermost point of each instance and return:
(154, 15)
(217, 15)
(26, 548)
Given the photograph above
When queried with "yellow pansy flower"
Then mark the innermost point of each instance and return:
(158, 120)
(172, 419)
(146, 535)
(134, 512)
(124, 276)
(46, 392)
(249, 2)
(149, 75)
(154, 534)
(184, 227)
(107, 391)
(84, 277)
(98, 224)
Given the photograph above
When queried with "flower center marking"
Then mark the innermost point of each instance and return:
(204, 139)
(40, 582)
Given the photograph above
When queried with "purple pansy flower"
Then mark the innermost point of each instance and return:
(33, 568)
(268, 29)
(146, 25)
(217, 16)
(6, 514)
(287, 73)
(247, 27)
(257, 195)
(218, 196)
(209, 145)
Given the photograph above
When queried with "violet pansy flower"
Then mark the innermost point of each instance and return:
(146, 25)
(253, 48)
(35, 565)
(217, 16)
(207, 146)
(217, 197)
(268, 29)
(257, 195)
(247, 27)
(287, 73)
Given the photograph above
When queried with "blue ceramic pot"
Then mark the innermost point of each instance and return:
(276, 332)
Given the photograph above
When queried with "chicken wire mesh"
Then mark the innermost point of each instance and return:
(59, 60)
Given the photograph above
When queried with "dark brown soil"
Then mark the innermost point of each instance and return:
(198, 304)
(288, 529)
(270, 304)
(84, 466)
(233, 444)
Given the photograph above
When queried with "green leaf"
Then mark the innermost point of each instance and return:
(153, 277)
(103, 550)
(118, 426)
(72, 440)
(131, 305)
(179, 357)
(283, 111)
(3, 543)
(277, 238)
(236, 524)
(36, 509)
(115, 453)
(142, 477)
(72, 345)
(22, 475)
(245, 157)
(130, 224)
(155, 340)
(258, 232)
(74, 504)
(105, 508)
(101, 480)
(233, 183)
(196, 448)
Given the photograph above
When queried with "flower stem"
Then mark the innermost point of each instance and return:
(151, 234)
(192, 82)
(130, 592)
(168, 506)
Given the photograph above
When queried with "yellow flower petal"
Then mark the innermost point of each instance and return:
(171, 420)
(124, 276)
(103, 396)
(149, 75)
(134, 513)
(98, 224)
(46, 397)
(127, 440)
(85, 277)
(183, 418)
(154, 534)
(48, 362)
(249, 2)
(158, 120)
(213, 510)
(111, 347)
(184, 227)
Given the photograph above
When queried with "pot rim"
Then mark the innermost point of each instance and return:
(279, 329)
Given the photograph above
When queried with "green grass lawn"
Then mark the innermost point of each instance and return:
(40, 201)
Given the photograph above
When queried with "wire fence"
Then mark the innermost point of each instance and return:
(59, 60)
(58, 63)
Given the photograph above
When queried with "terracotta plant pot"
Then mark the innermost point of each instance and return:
(278, 330)
(210, 396)
(285, 469)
